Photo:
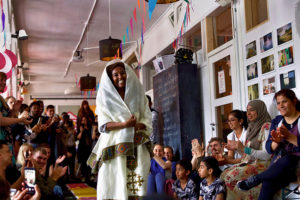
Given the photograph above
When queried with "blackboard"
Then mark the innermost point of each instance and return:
(177, 99)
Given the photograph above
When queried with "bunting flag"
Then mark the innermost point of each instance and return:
(144, 27)
(138, 1)
(121, 47)
(142, 35)
(144, 6)
(152, 4)
(124, 39)
(127, 31)
(118, 53)
(2, 16)
(131, 26)
(134, 15)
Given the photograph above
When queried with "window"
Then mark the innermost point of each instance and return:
(218, 27)
(256, 12)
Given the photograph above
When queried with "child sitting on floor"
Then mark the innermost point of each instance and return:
(211, 188)
(184, 187)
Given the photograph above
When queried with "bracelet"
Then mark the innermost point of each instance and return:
(247, 150)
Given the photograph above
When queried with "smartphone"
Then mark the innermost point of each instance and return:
(30, 179)
(39, 121)
(12, 192)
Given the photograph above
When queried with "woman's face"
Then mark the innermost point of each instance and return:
(11, 102)
(85, 106)
(251, 113)
(158, 151)
(285, 106)
(27, 152)
(233, 122)
(84, 121)
(119, 77)
(168, 154)
(2, 84)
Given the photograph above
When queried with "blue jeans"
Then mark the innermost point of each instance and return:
(277, 176)
(156, 184)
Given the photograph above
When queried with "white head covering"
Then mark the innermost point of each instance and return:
(110, 107)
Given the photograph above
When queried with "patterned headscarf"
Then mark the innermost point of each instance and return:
(255, 126)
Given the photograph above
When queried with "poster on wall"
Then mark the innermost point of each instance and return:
(284, 34)
(253, 92)
(252, 71)
(221, 82)
(285, 57)
(267, 64)
(251, 49)
(266, 42)
(269, 85)
(287, 80)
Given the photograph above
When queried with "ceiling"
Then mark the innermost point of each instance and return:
(55, 27)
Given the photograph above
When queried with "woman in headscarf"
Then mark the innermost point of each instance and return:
(121, 153)
(283, 142)
(255, 158)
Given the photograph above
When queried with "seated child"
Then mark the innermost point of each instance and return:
(211, 188)
(156, 178)
(184, 187)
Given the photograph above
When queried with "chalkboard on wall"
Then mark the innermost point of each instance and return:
(177, 99)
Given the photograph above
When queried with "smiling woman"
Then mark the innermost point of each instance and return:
(121, 156)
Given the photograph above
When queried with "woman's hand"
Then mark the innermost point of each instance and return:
(25, 120)
(231, 145)
(130, 122)
(139, 126)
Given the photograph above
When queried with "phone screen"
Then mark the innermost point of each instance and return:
(30, 179)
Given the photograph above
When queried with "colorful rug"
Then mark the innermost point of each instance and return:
(82, 191)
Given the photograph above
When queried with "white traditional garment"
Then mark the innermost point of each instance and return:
(122, 155)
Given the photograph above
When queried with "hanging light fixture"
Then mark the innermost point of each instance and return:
(109, 48)
(165, 1)
(87, 83)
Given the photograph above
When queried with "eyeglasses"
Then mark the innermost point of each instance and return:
(230, 120)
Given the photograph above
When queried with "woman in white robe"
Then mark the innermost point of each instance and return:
(121, 154)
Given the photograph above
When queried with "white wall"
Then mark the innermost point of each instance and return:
(281, 12)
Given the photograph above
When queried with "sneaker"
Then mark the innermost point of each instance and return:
(248, 183)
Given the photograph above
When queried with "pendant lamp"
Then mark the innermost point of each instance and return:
(109, 48)
(165, 1)
(87, 83)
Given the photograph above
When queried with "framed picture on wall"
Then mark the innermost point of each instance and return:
(251, 49)
(267, 64)
(288, 80)
(284, 34)
(252, 71)
(285, 57)
(269, 85)
(253, 92)
(266, 42)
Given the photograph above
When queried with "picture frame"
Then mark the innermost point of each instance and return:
(251, 49)
(253, 92)
(288, 80)
(284, 34)
(267, 64)
(252, 71)
(269, 85)
(286, 57)
(266, 42)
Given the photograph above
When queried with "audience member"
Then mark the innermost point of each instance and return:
(95, 131)
(154, 137)
(6, 161)
(24, 155)
(212, 187)
(237, 121)
(170, 173)
(184, 187)
(84, 147)
(283, 141)
(85, 111)
(156, 178)
(47, 185)
(256, 157)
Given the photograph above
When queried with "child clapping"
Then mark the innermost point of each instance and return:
(184, 187)
(211, 188)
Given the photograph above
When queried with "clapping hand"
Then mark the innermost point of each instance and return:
(198, 149)
(279, 134)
